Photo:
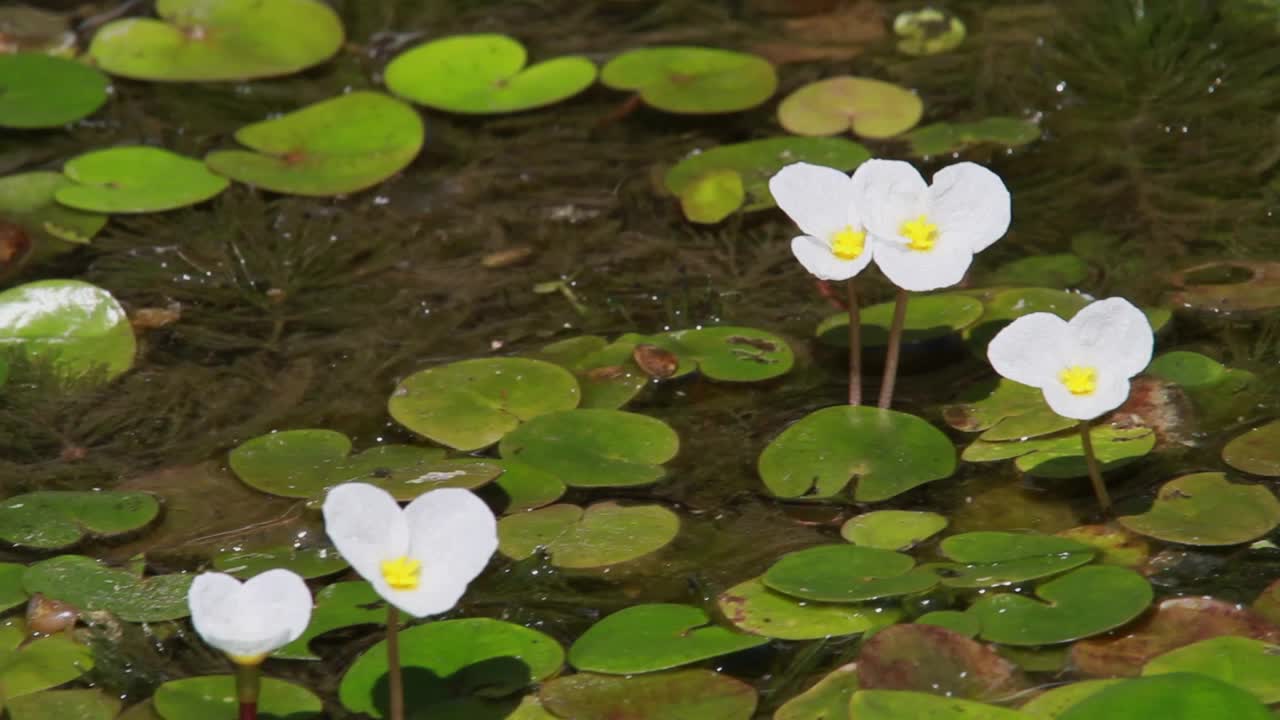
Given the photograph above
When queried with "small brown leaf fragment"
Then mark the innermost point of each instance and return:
(608, 372)
(655, 361)
(507, 258)
(151, 318)
(46, 616)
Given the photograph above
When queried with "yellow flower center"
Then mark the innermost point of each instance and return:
(920, 233)
(848, 244)
(401, 573)
(1079, 380)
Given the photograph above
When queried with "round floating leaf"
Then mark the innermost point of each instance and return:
(1052, 703)
(944, 138)
(471, 404)
(407, 471)
(1062, 456)
(78, 327)
(724, 353)
(40, 91)
(524, 488)
(1054, 271)
(1206, 509)
(340, 605)
(28, 200)
(1187, 369)
(293, 463)
(847, 573)
(1227, 286)
(90, 586)
(213, 697)
(873, 109)
(449, 660)
(334, 147)
(604, 534)
(901, 704)
(1005, 411)
(314, 562)
(1176, 696)
(1116, 546)
(886, 452)
(594, 448)
(828, 699)
(29, 667)
(892, 529)
(645, 638)
(712, 196)
(1071, 609)
(692, 80)
(1256, 452)
(54, 519)
(1248, 664)
(606, 372)
(953, 620)
(64, 705)
(928, 317)
(990, 559)
(679, 695)
(136, 179)
(756, 609)
(928, 32)
(484, 74)
(1001, 307)
(936, 660)
(204, 40)
(12, 593)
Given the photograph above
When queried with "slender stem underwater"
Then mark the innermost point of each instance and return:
(248, 683)
(395, 682)
(855, 346)
(895, 348)
(1095, 475)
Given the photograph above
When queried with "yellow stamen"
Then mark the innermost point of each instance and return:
(1079, 380)
(921, 234)
(848, 244)
(401, 573)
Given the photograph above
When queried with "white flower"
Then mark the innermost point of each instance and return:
(926, 235)
(420, 558)
(251, 620)
(1083, 366)
(820, 200)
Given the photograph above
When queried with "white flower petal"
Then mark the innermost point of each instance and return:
(917, 271)
(815, 197)
(970, 205)
(454, 535)
(887, 193)
(281, 597)
(1115, 335)
(1032, 349)
(251, 620)
(1111, 392)
(817, 258)
(367, 526)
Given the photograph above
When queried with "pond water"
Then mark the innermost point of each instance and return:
(1152, 177)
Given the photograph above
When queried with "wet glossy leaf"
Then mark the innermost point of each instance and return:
(89, 585)
(953, 620)
(12, 593)
(1248, 664)
(991, 559)
(928, 317)
(310, 562)
(1070, 609)
(1206, 509)
(678, 695)
(605, 371)
(213, 697)
(1177, 696)
(1005, 411)
(136, 179)
(57, 519)
(471, 404)
(692, 80)
(64, 705)
(1257, 289)
(1116, 546)
(928, 32)
(78, 327)
(594, 448)
(1061, 456)
(943, 138)
(603, 534)
(1187, 369)
(828, 699)
(753, 607)
(902, 704)
(892, 529)
(645, 638)
(38, 665)
(28, 200)
(1256, 452)
(873, 109)
(847, 573)
(521, 488)
(40, 91)
(932, 659)
(340, 605)
(211, 40)
(1052, 271)
(1056, 701)
(484, 74)
(293, 462)
(712, 196)
(725, 353)
(334, 147)
(883, 452)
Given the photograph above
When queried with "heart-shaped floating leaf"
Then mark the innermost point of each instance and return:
(873, 109)
(484, 74)
(847, 573)
(603, 534)
(892, 529)
(340, 605)
(521, 488)
(212, 40)
(89, 586)
(1054, 271)
(928, 317)
(77, 327)
(606, 372)
(679, 695)
(29, 667)
(935, 660)
(990, 559)
(213, 697)
(958, 622)
(1176, 696)
(594, 448)
(311, 562)
(1005, 411)
(661, 636)
(334, 147)
(63, 705)
(1062, 456)
(943, 138)
(928, 32)
(723, 353)
(52, 520)
(1206, 509)
(828, 699)
(12, 594)
(40, 91)
(1052, 703)
(1248, 664)
(753, 607)
(1115, 545)
(712, 196)
(1070, 610)
(471, 404)
(901, 704)
(136, 179)
(449, 660)
(1188, 369)
(692, 80)
(885, 452)
(28, 200)
(1256, 452)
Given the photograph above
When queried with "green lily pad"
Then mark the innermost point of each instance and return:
(1062, 456)
(45, 663)
(1256, 452)
(991, 559)
(753, 607)
(144, 710)
(1187, 369)
(471, 404)
(311, 562)
(1115, 545)
(449, 660)
(935, 660)
(213, 697)
(63, 705)
(484, 74)
(41, 91)
(645, 638)
(1005, 411)
(712, 196)
(1206, 509)
(1070, 609)
(340, 605)
(945, 138)
(1052, 271)
(605, 533)
(901, 704)
(928, 32)
(1248, 664)
(1055, 701)
(213, 40)
(521, 488)
(57, 519)
(873, 109)
(692, 80)
(892, 529)
(28, 200)
(847, 573)
(77, 327)
(953, 620)
(594, 448)
(136, 179)
(724, 353)
(678, 695)
(928, 317)
(1003, 306)
(12, 593)
(606, 372)
(885, 452)
(756, 161)
(1176, 696)
(90, 586)
(334, 147)
(828, 699)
